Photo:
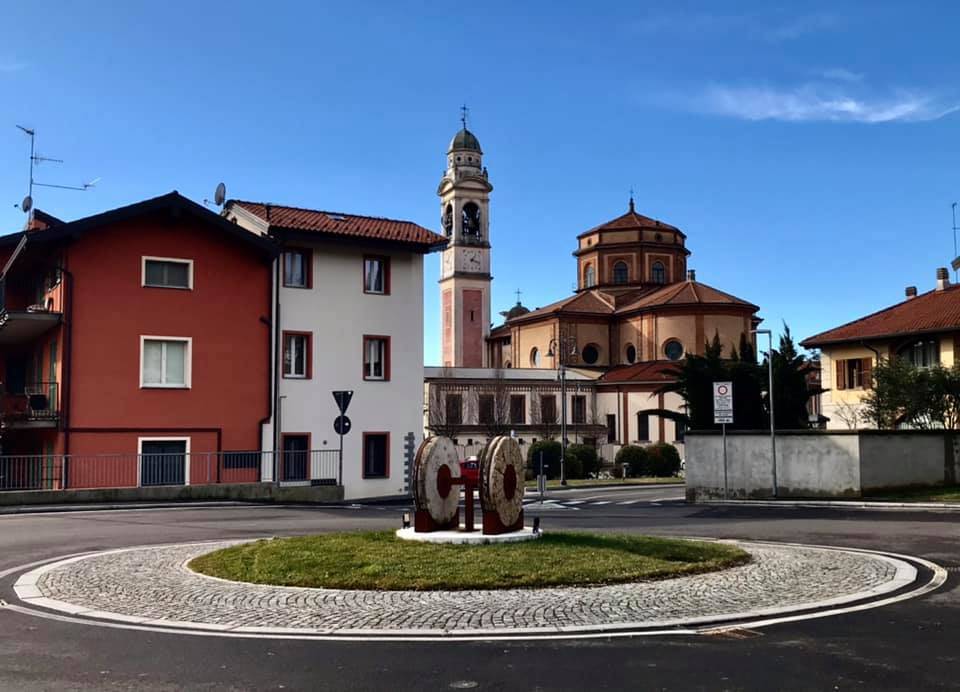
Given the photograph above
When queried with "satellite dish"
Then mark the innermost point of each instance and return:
(27, 204)
(220, 195)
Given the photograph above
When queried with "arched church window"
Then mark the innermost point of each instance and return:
(589, 277)
(631, 353)
(471, 221)
(535, 357)
(448, 220)
(658, 274)
(620, 273)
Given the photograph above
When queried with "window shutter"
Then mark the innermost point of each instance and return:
(867, 373)
(841, 374)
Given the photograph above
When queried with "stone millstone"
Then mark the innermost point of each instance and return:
(502, 475)
(436, 464)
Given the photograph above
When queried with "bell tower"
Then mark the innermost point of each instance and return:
(465, 264)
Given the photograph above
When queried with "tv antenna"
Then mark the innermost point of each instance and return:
(27, 204)
(956, 257)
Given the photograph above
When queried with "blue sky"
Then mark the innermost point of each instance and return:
(809, 151)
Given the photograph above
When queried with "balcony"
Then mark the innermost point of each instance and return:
(22, 327)
(36, 407)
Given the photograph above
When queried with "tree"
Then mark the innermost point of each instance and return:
(849, 414)
(494, 415)
(790, 388)
(904, 395)
(544, 418)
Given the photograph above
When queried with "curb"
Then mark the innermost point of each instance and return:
(836, 504)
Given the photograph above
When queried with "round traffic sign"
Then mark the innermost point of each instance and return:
(341, 425)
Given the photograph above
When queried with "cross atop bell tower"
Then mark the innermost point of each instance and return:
(464, 193)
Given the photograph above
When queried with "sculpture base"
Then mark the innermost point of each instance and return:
(424, 523)
(460, 537)
(492, 526)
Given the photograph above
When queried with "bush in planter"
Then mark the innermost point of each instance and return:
(551, 458)
(587, 456)
(635, 458)
(663, 460)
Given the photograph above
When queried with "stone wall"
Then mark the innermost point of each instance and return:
(818, 464)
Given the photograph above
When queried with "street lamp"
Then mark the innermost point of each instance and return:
(557, 348)
(773, 435)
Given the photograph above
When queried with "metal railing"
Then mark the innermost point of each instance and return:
(80, 471)
(38, 402)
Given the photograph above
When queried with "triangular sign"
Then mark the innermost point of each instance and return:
(343, 399)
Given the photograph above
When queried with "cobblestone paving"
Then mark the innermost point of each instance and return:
(155, 583)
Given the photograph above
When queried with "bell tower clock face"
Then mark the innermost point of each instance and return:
(472, 261)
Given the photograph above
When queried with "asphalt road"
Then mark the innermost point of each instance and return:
(910, 645)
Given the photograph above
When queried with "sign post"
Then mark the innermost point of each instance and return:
(341, 425)
(722, 415)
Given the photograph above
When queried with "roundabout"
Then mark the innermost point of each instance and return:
(153, 588)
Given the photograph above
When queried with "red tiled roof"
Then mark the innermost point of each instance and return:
(650, 371)
(588, 303)
(335, 223)
(632, 220)
(929, 312)
(685, 293)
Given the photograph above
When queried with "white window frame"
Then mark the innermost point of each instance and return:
(187, 366)
(306, 357)
(368, 343)
(384, 263)
(179, 260)
(186, 458)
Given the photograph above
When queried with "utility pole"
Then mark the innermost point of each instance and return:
(773, 434)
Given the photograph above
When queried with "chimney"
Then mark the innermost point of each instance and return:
(911, 292)
(691, 275)
(943, 278)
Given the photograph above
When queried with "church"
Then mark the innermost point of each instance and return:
(637, 310)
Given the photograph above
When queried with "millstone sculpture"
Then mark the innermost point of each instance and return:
(436, 475)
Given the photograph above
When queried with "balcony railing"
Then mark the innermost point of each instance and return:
(80, 471)
(37, 403)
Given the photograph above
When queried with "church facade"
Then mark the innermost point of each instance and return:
(637, 311)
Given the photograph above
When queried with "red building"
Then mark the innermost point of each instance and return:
(134, 348)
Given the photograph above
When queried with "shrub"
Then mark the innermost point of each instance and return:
(617, 472)
(551, 458)
(588, 459)
(663, 460)
(636, 459)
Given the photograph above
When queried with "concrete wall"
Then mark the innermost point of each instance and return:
(814, 464)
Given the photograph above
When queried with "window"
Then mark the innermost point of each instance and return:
(611, 428)
(297, 271)
(590, 354)
(620, 273)
(376, 455)
(534, 357)
(589, 277)
(487, 415)
(376, 358)
(680, 431)
(164, 461)
(164, 361)
(453, 409)
(673, 350)
(163, 272)
(376, 275)
(658, 274)
(297, 355)
(579, 409)
(643, 427)
(855, 373)
(548, 408)
(631, 353)
(241, 460)
(923, 353)
(518, 405)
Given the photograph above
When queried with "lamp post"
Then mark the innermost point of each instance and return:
(556, 350)
(773, 434)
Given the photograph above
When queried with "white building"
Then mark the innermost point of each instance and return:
(348, 294)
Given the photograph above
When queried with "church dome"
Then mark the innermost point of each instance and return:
(516, 311)
(465, 140)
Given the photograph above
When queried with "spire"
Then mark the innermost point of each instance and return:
(631, 200)
(463, 115)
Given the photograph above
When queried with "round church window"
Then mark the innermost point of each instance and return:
(590, 354)
(673, 349)
(631, 353)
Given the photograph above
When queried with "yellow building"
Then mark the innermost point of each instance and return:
(924, 329)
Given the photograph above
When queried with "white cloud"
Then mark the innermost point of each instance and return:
(812, 102)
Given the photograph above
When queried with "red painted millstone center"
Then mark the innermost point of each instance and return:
(443, 481)
(509, 482)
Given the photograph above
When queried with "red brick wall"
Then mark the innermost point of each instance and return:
(472, 328)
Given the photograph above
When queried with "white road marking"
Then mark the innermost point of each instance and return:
(603, 502)
(628, 502)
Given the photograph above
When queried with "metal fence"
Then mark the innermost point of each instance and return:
(38, 402)
(78, 471)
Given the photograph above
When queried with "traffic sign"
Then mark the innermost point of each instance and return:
(723, 402)
(341, 425)
(343, 398)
